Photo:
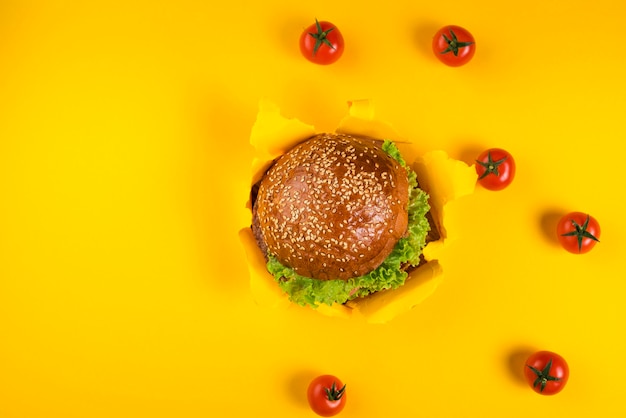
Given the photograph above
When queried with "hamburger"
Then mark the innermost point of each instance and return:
(340, 217)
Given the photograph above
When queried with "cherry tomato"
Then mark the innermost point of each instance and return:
(454, 46)
(578, 232)
(326, 395)
(495, 168)
(546, 372)
(322, 43)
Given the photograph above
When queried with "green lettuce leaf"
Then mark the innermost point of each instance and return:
(306, 291)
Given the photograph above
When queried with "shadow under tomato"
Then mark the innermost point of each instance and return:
(297, 385)
(548, 222)
(423, 33)
(470, 152)
(515, 362)
(287, 32)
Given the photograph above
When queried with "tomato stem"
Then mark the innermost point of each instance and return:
(580, 232)
(491, 166)
(453, 44)
(333, 394)
(321, 37)
(543, 376)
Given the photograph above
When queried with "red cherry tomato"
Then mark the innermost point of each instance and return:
(546, 372)
(321, 43)
(495, 168)
(454, 46)
(578, 232)
(326, 395)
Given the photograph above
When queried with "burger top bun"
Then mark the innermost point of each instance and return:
(333, 207)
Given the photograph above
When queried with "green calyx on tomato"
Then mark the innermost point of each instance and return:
(491, 166)
(321, 37)
(453, 44)
(580, 232)
(543, 376)
(333, 393)
(324, 398)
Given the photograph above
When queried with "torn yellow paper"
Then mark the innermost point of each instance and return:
(382, 307)
(361, 122)
(272, 135)
(443, 178)
(262, 285)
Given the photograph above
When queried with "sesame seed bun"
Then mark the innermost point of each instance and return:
(333, 207)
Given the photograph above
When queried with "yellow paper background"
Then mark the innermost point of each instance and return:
(124, 132)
